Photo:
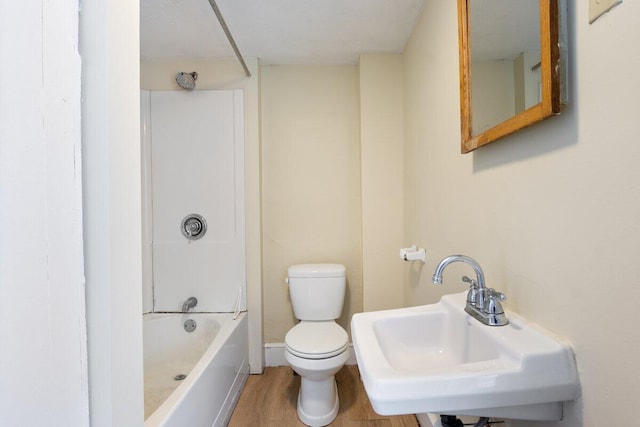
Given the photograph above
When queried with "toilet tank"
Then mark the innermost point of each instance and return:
(317, 290)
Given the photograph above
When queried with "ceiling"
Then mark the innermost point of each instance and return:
(277, 31)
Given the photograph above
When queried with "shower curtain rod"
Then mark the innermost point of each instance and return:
(223, 24)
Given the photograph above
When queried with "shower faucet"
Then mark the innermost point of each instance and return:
(189, 304)
(483, 303)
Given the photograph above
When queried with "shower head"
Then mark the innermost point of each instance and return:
(187, 80)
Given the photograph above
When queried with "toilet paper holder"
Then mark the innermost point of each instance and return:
(413, 253)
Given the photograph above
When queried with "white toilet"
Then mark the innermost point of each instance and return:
(317, 347)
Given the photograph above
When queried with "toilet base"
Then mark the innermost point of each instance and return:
(318, 402)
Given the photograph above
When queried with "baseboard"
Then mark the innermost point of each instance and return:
(274, 354)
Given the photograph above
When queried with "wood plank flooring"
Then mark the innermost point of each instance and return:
(269, 400)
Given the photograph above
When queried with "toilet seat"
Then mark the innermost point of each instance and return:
(316, 340)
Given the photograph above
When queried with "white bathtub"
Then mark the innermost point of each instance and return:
(214, 358)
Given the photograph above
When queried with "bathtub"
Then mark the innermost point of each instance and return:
(214, 358)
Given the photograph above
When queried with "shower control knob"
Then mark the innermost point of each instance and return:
(193, 227)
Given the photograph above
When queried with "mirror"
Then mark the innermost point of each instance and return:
(509, 67)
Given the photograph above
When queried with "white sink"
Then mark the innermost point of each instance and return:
(436, 358)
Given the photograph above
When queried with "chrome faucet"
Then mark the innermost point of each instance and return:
(189, 304)
(483, 303)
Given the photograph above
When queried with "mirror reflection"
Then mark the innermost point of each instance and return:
(511, 66)
(505, 60)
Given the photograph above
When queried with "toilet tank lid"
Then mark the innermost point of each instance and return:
(316, 270)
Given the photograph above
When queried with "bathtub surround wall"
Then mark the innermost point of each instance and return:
(227, 74)
(551, 213)
(197, 150)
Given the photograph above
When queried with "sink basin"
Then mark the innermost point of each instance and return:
(436, 358)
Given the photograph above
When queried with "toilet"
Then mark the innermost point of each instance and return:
(317, 347)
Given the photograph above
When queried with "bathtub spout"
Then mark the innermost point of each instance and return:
(189, 304)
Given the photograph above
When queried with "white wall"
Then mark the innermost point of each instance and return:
(147, 203)
(43, 355)
(112, 209)
(551, 213)
(198, 168)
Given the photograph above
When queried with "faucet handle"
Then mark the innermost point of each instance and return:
(493, 309)
(492, 302)
(471, 282)
(472, 295)
(492, 293)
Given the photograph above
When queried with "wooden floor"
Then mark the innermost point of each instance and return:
(270, 400)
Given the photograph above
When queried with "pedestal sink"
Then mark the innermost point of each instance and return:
(436, 358)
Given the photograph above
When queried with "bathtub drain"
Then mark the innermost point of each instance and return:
(180, 377)
(190, 325)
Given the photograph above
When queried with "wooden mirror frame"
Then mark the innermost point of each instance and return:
(550, 77)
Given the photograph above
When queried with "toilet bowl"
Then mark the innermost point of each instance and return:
(317, 347)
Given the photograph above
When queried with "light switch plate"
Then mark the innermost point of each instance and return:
(597, 8)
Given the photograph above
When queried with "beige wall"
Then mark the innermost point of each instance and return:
(552, 213)
(493, 90)
(381, 163)
(228, 74)
(526, 79)
(311, 182)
